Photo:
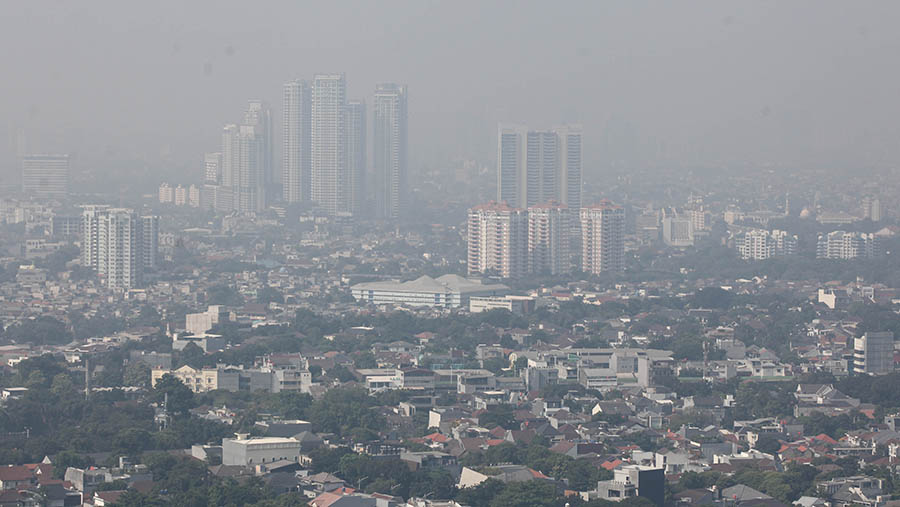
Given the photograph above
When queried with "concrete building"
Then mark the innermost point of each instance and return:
(759, 244)
(199, 323)
(873, 353)
(497, 240)
(847, 245)
(238, 378)
(519, 305)
(245, 451)
(447, 291)
(634, 481)
(390, 147)
(212, 168)
(549, 233)
(602, 238)
(329, 181)
(45, 176)
(678, 231)
(118, 244)
(356, 160)
(295, 159)
(539, 166)
(259, 116)
(243, 166)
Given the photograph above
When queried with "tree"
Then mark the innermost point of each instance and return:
(137, 374)
(39, 331)
(178, 397)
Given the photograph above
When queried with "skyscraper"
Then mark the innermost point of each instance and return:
(497, 240)
(355, 127)
(243, 178)
(390, 140)
(46, 176)
(539, 166)
(212, 168)
(602, 238)
(295, 161)
(549, 233)
(118, 244)
(259, 116)
(328, 166)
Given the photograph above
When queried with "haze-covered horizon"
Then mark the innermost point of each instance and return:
(653, 83)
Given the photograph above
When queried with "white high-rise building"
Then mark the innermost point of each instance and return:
(355, 128)
(243, 178)
(390, 146)
(602, 238)
(329, 180)
(539, 166)
(498, 240)
(180, 195)
(549, 235)
(847, 245)
(46, 176)
(295, 161)
(759, 244)
(119, 244)
(194, 196)
(166, 193)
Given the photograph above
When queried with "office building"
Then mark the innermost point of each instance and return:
(243, 177)
(634, 481)
(355, 128)
(539, 166)
(237, 378)
(390, 147)
(212, 168)
(497, 240)
(45, 176)
(549, 233)
(329, 180)
(150, 241)
(678, 231)
(259, 116)
(602, 238)
(115, 245)
(295, 160)
(873, 353)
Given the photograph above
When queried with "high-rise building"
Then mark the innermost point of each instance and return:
(212, 168)
(539, 166)
(847, 245)
(872, 208)
(295, 160)
(150, 241)
(602, 238)
(328, 166)
(180, 195)
(873, 353)
(118, 244)
(549, 233)
(498, 240)
(166, 193)
(259, 116)
(46, 176)
(243, 157)
(355, 128)
(194, 196)
(390, 146)
(759, 244)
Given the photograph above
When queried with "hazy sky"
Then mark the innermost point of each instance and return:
(654, 83)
